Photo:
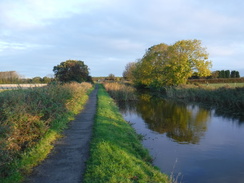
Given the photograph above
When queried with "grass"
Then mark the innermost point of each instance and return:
(117, 154)
(30, 120)
(121, 92)
(220, 85)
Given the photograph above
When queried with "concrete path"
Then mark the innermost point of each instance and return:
(66, 163)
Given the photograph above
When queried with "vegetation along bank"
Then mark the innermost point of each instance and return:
(117, 154)
(227, 98)
(30, 120)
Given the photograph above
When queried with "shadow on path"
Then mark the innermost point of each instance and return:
(66, 163)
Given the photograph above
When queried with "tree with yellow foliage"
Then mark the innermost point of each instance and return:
(167, 65)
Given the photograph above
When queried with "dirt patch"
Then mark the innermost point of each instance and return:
(66, 163)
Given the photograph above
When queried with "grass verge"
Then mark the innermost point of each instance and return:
(117, 154)
(30, 121)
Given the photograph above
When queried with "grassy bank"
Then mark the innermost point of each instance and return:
(227, 97)
(116, 151)
(30, 120)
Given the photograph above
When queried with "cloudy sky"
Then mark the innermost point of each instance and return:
(36, 35)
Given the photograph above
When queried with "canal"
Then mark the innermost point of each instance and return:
(189, 142)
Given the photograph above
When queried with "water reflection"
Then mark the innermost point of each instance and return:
(180, 122)
(199, 143)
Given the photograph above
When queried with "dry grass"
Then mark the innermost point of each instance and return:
(121, 92)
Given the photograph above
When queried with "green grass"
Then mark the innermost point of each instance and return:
(117, 154)
(30, 121)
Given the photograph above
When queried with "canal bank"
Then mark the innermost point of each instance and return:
(195, 144)
(116, 153)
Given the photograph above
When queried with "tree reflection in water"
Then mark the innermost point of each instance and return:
(182, 123)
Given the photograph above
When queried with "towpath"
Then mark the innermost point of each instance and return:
(66, 163)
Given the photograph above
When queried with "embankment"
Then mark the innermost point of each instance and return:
(116, 153)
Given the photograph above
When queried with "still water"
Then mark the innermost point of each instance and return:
(193, 144)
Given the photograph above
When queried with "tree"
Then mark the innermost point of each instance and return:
(227, 73)
(149, 69)
(222, 74)
(46, 79)
(36, 79)
(172, 65)
(71, 70)
(215, 74)
(111, 77)
(9, 77)
(235, 74)
(129, 69)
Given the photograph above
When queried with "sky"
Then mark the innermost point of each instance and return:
(36, 35)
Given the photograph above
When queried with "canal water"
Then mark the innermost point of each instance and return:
(190, 143)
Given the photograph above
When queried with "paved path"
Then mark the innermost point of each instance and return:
(66, 163)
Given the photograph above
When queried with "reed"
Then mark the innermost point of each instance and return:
(227, 97)
(121, 92)
(31, 115)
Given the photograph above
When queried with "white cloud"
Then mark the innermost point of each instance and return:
(27, 14)
(11, 46)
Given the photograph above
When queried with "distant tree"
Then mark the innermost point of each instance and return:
(234, 74)
(128, 72)
(237, 74)
(111, 77)
(215, 74)
(227, 73)
(71, 70)
(222, 74)
(9, 77)
(46, 79)
(36, 80)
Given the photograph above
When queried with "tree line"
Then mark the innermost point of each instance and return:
(9, 77)
(67, 71)
(227, 74)
(12, 77)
